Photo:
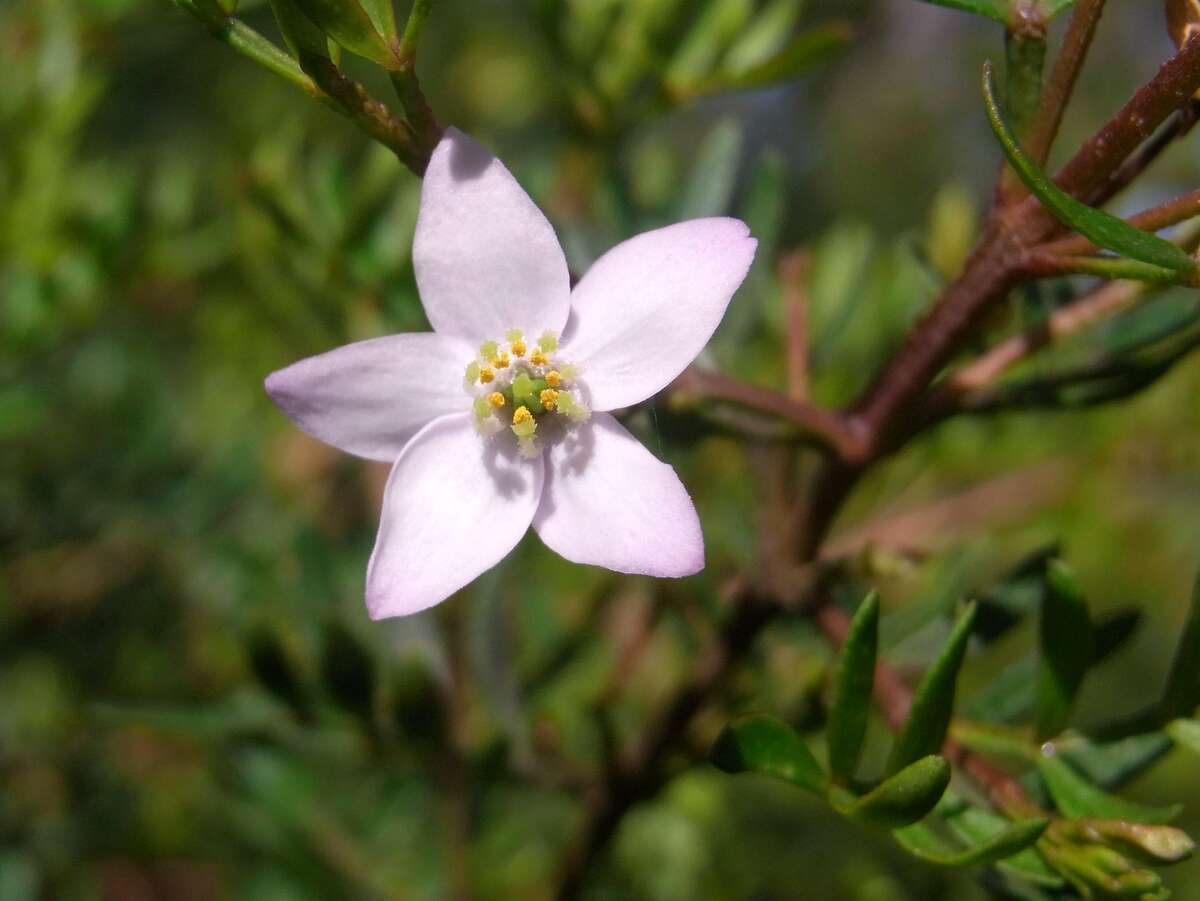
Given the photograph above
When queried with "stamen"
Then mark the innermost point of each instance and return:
(501, 361)
(537, 358)
(524, 425)
(518, 348)
(548, 397)
(486, 375)
(553, 379)
(496, 399)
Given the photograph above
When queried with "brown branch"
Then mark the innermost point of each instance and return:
(829, 427)
(793, 273)
(1061, 83)
(1178, 126)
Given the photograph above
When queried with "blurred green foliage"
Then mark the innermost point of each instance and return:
(192, 703)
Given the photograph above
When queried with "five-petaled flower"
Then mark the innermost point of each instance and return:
(498, 418)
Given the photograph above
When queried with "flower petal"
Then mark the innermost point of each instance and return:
(485, 257)
(370, 397)
(609, 502)
(647, 307)
(454, 506)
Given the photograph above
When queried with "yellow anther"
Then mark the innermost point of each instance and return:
(496, 399)
(521, 414)
(501, 361)
(548, 397)
(518, 348)
(553, 379)
(537, 358)
(486, 375)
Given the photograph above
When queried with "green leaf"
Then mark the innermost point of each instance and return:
(1051, 8)
(802, 54)
(1186, 733)
(903, 798)
(1065, 648)
(299, 32)
(713, 176)
(851, 701)
(933, 703)
(1111, 764)
(1182, 691)
(1101, 228)
(1076, 797)
(764, 36)
(383, 16)
(767, 746)
(348, 23)
(976, 824)
(348, 671)
(921, 841)
(992, 9)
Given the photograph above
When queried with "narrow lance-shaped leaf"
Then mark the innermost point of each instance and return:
(348, 23)
(933, 703)
(921, 841)
(299, 32)
(1182, 692)
(992, 9)
(765, 745)
(1065, 648)
(1076, 797)
(803, 53)
(904, 798)
(383, 16)
(1186, 733)
(1101, 228)
(852, 686)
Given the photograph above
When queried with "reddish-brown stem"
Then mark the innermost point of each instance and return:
(1061, 83)
(793, 275)
(826, 425)
(1179, 125)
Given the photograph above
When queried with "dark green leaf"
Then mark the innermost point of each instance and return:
(933, 703)
(299, 32)
(1076, 797)
(1111, 764)
(1105, 230)
(1065, 649)
(851, 701)
(348, 671)
(905, 797)
(976, 825)
(348, 23)
(1182, 692)
(921, 841)
(274, 668)
(770, 747)
(710, 183)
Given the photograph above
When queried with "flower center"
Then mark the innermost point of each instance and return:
(526, 388)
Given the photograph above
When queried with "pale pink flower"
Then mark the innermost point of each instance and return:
(499, 418)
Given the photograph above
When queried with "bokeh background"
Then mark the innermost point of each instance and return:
(193, 704)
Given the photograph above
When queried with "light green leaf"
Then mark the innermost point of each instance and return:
(903, 798)
(1065, 648)
(713, 176)
(383, 16)
(769, 747)
(1186, 733)
(1052, 8)
(1076, 797)
(803, 53)
(348, 23)
(921, 841)
(1105, 230)
(764, 36)
(1111, 764)
(992, 9)
(933, 703)
(976, 824)
(1182, 691)
(851, 701)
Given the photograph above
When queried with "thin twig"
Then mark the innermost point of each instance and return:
(1061, 83)
(1178, 126)
(793, 275)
